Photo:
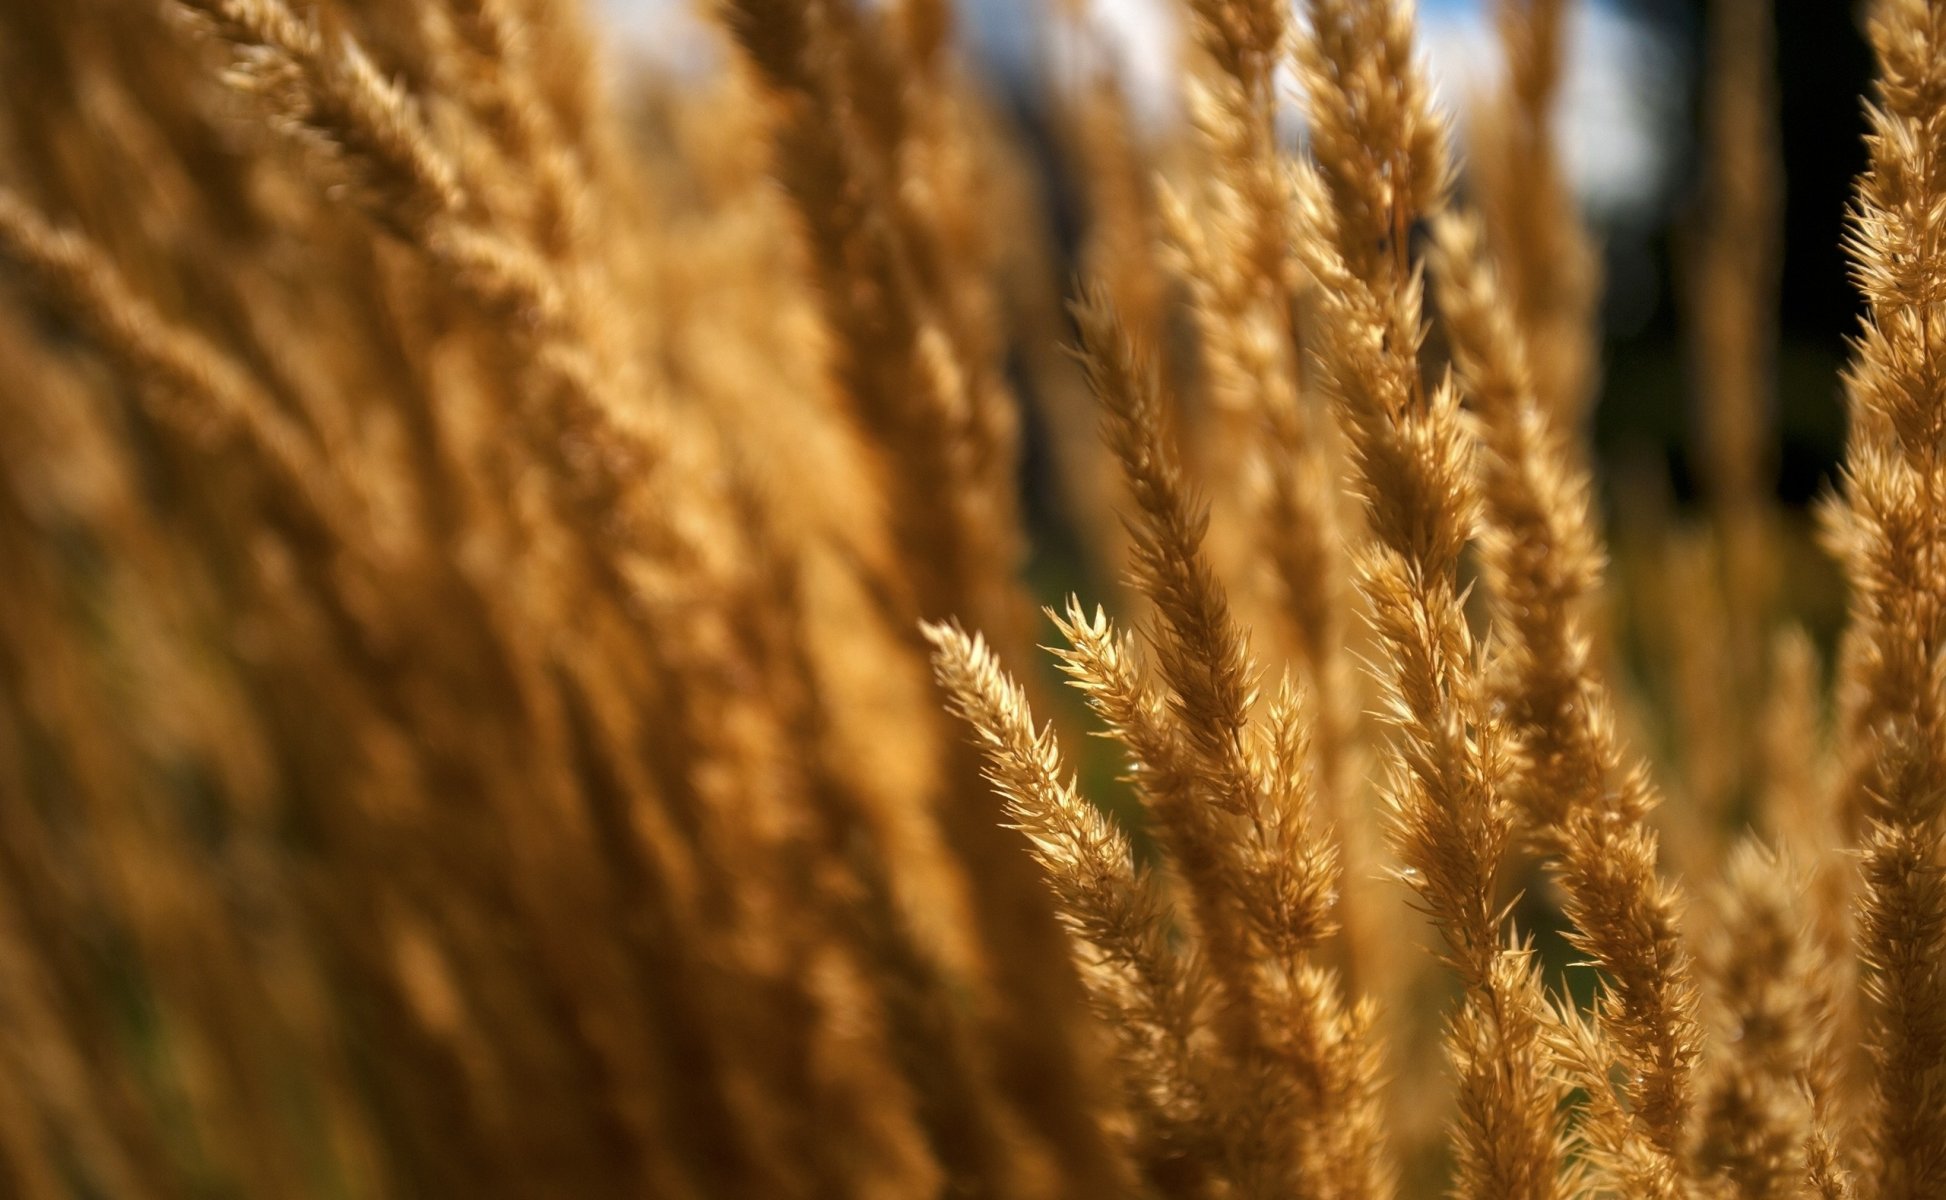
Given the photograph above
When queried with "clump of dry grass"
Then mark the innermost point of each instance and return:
(511, 588)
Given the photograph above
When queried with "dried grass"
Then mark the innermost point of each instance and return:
(487, 705)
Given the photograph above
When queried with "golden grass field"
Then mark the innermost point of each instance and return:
(519, 675)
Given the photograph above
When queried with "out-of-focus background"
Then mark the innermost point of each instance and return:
(1629, 133)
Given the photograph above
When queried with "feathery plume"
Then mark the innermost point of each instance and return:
(1232, 806)
(1150, 996)
(1380, 164)
(1583, 799)
(1756, 1109)
(1890, 532)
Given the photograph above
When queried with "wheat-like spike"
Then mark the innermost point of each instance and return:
(1538, 547)
(1100, 662)
(1799, 812)
(1266, 876)
(1608, 1140)
(1376, 140)
(1510, 1093)
(1329, 1047)
(1289, 863)
(615, 452)
(1200, 648)
(1243, 38)
(1203, 657)
(1275, 445)
(1585, 800)
(1756, 1110)
(1415, 475)
(1233, 104)
(327, 92)
(485, 56)
(1829, 1178)
(1198, 738)
(1380, 164)
(1149, 994)
(1895, 538)
(1196, 743)
(1270, 876)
